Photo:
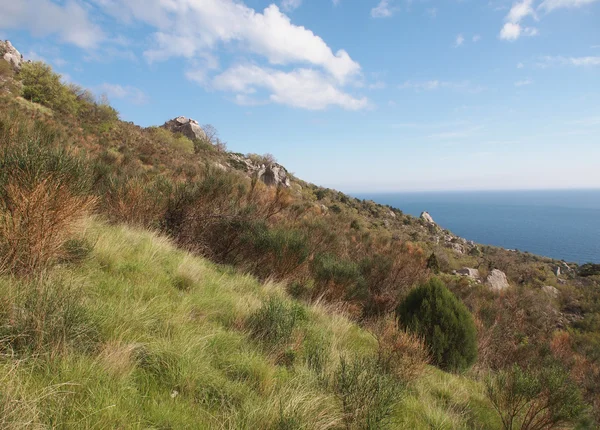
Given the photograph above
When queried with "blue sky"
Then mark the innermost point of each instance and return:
(359, 95)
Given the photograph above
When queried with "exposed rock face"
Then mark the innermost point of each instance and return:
(186, 126)
(469, 272)
(272, 174)
(497, 280)
(10, 54)
(557, 270)
(427, 218)
(551, 291)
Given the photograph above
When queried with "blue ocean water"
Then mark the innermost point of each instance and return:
(559, 224)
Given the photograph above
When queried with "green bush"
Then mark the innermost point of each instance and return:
(328, 268)
(432, 312)
(367, 393)
(277, 251)
(542, 399)
(41, 85)
(274, 323)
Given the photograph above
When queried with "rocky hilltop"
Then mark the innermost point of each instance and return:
(186, 126)
(10, 54)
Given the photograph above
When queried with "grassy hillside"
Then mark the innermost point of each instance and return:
(149, 280)
(142, 335)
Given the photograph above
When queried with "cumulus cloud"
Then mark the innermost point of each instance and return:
(195, 26)
(198, 30)
(302, 88)
(128, 93)
(512, 29)
(69, 21)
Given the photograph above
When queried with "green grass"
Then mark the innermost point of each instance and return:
(176, 343)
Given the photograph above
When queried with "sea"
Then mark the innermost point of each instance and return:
(563, 225)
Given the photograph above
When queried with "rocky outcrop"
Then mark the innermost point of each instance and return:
(272, 174)
(427, 218)
(497, 281)
(468, 272)
(10, 54)
(186, 126)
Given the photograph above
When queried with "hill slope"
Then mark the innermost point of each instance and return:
(158, 338)
(125, 326)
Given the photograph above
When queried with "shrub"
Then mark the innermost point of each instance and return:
(274, 322)
(367, 394)
(447, 327)
(44, 315)
(275, 251)
(433, 264)
(400, 353)
(534, 400)
(41, 85)
(335, 272)
(42, 201)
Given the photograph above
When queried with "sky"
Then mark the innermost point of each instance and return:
(357, 95)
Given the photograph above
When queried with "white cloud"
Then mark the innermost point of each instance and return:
(290, 5)
(512, 29)
(569, 61)
(302, 88)
(520, 10)
(476, 38)
(550, 5)
(524, 82)
(520, 65)
(382, 10)
(512, 32)
(460, 39)
(68, 20)
(198, 30)
(131, 94)
(192, 27)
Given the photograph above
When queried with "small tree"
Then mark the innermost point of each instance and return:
(433, 313)
(41, 85)
(433, 264)
(527, 400)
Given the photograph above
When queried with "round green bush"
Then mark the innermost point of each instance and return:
(432, 312)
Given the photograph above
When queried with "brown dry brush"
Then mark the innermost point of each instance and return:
(35, 224)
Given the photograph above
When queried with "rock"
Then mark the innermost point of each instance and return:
(551, 291)
(557, 270)
(10, 54)
(469, 272)
(427, 218)
(272, 174)
(186, 126)
(497, 280)
(392, 214)
(456, 247)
